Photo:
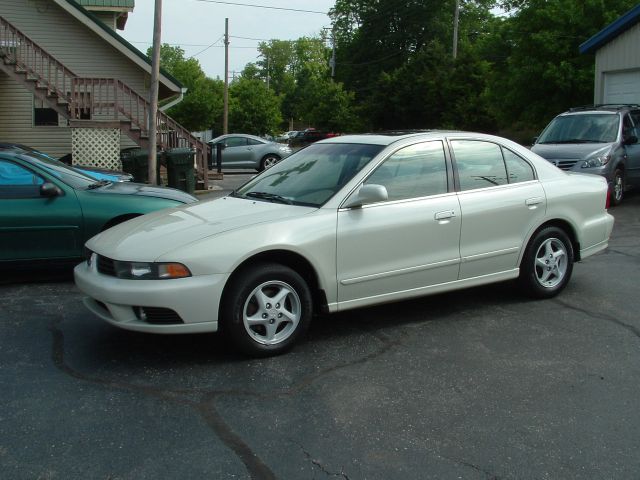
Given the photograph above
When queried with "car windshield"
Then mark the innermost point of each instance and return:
(311, 176)
(55, 167)
(582, 128)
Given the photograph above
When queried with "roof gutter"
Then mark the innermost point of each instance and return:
(175, 101)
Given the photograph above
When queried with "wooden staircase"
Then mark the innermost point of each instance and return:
(107, 101)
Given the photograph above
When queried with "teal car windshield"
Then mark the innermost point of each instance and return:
(311, 176)
(71, 177)
(582, 128)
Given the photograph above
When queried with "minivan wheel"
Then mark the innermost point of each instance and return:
(617, 187)
(547, 263)
(268, 309)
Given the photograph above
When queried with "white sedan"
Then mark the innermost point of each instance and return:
(345, 223)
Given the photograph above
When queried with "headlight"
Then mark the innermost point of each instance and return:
(150, 271)
(598, 161)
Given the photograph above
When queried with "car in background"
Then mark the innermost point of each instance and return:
(284, 138)
(348, 222)
(97, 172)
(240, 150)
(600, 139)
(94, 172)
(306, 137)
(49, 210)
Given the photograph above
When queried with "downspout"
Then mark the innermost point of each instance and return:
(175, 101)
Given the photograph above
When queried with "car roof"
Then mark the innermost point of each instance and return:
(612, 108)
(245, 135)
(389, 137)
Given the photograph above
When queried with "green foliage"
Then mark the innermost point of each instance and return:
(202, 105)
(513, 71)
(253, 108)
(395, 69)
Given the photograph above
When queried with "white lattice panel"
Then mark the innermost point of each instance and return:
(96, 147)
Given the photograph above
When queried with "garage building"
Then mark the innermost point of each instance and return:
(617, 69)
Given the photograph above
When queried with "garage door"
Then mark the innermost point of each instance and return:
(622, 87)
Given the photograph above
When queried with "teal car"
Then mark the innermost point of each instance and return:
(49, 210)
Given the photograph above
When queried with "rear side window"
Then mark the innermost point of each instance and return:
(236, 142)
(518, 168)
(480, 164)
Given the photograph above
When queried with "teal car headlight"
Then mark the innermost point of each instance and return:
(150, 270)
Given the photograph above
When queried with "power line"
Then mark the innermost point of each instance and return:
(264, 6)
(207, 48)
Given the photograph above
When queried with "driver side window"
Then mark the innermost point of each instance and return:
(415, 171)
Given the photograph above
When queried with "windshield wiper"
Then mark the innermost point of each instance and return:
(574, 140)
(98, 184)
(272, 197)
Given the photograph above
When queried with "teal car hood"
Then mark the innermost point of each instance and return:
(130, 188)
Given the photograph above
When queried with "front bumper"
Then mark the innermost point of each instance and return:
(195, 300)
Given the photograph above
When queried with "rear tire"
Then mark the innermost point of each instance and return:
(547, 263)
(268, 161)
(268, 308)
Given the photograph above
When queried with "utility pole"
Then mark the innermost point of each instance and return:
(225, 114)
(456, 17)
(332, 62)
(267, 71)
(153, 94)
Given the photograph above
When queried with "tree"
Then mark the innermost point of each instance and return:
(542, 71)
(202, 107)
(253, 108)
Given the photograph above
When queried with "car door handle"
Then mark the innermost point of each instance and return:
(445, 215)
(532, 202)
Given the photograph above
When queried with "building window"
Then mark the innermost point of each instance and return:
(43, 116)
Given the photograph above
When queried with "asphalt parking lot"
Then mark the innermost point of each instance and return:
(477, 384)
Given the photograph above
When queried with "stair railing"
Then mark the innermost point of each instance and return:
(32, 59)
(97, 98)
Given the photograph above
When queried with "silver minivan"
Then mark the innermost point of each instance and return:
(600, 139)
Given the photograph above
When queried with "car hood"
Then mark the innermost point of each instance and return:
(576, 151)
(149, 237)
(130, 188)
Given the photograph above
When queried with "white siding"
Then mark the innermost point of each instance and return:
(619, 55)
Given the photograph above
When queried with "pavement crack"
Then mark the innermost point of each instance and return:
(317, 463)
(205, 405)
(255, 467)
(625, 254)
(490, 475)
(600, 316)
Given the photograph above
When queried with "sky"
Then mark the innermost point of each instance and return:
(196, 24)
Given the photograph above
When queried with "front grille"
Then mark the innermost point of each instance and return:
(106, 266)
(158, 316)
(564, 163)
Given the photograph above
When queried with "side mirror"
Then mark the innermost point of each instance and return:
(535, 139)
(630, 140)
(48, 189)
(369, 193)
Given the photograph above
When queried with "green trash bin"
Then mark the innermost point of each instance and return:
(136, 162)
(180, 170)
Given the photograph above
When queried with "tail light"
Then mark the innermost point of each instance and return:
(608, 202)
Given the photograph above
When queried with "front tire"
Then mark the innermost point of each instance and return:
(267, 310)
(547, 263)
(617, 187)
